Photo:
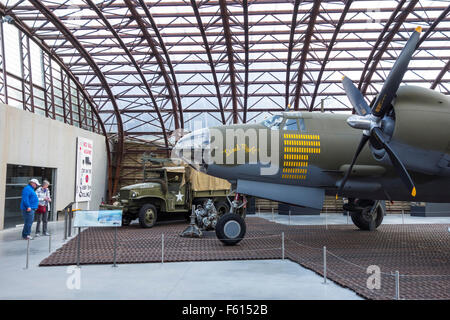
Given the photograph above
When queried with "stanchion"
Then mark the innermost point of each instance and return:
(115, 248)
(326, 218)
(259, 210)
(65, 224)
(273, 217)
(324, 265)
(282, 245)
(79, 247)
(397, 285)
(289, 217)
(70, 221)
(162, 248)
(50, 243)
(403, 216)
(28, 253)
(347, 216)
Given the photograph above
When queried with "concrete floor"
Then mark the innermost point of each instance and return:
(339, 218)
(269, 279)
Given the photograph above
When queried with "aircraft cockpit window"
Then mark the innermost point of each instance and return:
(301, 121)
(291, 124)
(273, 123)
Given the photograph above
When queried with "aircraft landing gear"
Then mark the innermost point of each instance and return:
(231, 228)
(365, 214)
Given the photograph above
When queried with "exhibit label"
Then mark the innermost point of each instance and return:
(83, 183)
(102, 218)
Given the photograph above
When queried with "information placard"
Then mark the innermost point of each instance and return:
(83, 181)
(102, 218)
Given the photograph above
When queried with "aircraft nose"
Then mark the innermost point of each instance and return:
(193, 148)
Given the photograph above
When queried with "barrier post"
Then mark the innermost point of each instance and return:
(115, 248)
(273, 217)
(28, 253)
(324, 265)
(289, 217)
(397, 285)
(50, 243)
(403, 216)
(282, 245)
(162, 248)
(70, 221)
(65, 224)
(326, 218)
(79, 247)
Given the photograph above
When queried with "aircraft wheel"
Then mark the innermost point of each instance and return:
(364, 222)
(230, 229)
(147, 216)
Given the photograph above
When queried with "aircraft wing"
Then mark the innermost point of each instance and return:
(296, 195)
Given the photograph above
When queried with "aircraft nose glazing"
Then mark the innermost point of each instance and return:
(192, 148)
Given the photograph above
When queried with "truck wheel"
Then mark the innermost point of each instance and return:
(222, 208)
(147, 216)
(230, 229)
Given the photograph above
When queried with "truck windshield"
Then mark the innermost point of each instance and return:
(273, 123)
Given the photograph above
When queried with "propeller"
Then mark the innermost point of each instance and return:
(369, 119)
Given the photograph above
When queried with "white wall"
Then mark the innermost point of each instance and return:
(33, 140)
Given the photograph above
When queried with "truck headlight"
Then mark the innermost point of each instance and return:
(134, 194)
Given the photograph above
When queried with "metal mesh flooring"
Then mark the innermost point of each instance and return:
(421, 253)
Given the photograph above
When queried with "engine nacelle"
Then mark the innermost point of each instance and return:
(421, 128)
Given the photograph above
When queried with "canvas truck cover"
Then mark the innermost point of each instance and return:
(203, 182)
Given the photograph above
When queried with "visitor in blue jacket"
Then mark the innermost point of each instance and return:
(28, 205)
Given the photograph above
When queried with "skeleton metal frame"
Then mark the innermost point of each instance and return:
(143, 69)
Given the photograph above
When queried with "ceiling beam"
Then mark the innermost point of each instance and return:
(327, 54)
(387, 40)
(210, 58)
(134, 63)
(290, 49)
(306, 43)
(166, 55)
(151, 43)
(230, 54)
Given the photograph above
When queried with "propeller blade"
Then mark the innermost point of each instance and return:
(383, 101)
(398, 165)
(355, 97)
(361, 145)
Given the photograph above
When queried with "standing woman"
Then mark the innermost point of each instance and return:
(28, 205)
(43, 194)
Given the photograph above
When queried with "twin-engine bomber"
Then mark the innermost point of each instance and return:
(402, 142)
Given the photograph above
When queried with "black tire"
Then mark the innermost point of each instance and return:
(363, 223)
(222, 208)
(148, 216)
(230, 229)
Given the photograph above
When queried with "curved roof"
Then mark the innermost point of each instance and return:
(154, 66)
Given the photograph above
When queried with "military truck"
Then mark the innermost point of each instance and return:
(168, 190)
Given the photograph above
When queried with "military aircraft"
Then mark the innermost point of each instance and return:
(402, 142)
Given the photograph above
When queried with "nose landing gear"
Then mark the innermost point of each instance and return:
(231, 228)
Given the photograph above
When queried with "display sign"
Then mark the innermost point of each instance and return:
(102, 218)
(83, 181)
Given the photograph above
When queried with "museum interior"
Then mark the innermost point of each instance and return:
(225, 149)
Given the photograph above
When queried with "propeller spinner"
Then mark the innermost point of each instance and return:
(369, 119)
